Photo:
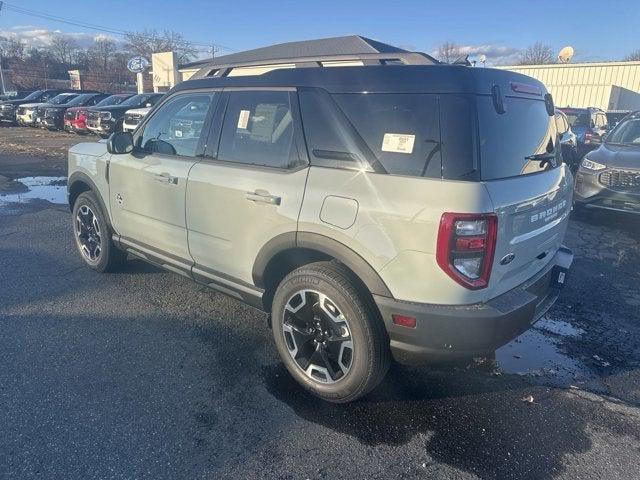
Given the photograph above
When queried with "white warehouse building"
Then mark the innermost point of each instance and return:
(606, 85)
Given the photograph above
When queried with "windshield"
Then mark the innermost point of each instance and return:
(137, 100)
(33, 95)
(112, 100)
(80, 99)
(626, 133)
(62, 99)
(578, 119)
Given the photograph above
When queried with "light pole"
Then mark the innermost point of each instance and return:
(1, 73)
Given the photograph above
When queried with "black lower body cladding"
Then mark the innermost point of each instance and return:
(447, 332)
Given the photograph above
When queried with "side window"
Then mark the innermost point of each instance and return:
(258, 130)
(330, 138)
(561, 124)
(603, 119)
(402, 130)
(175, 129)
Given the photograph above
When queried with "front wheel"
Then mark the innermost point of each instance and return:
(93, 235)
(328, 335)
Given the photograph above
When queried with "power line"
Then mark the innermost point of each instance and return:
(91, 26)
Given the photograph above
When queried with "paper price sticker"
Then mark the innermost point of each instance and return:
(398, 143)
(243, 119)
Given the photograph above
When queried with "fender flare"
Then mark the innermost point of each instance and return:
(81, 177)
(322, 244)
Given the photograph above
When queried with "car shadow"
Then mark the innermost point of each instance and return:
(469, 420)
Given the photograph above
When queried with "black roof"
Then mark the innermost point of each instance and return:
(347, 45)
(439, 78)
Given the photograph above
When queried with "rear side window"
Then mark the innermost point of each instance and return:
(518, 142)
(258, 129)
(402, 130)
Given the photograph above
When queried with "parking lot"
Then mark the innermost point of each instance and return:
(143, 374)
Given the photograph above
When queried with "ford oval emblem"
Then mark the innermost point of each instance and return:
(137, 64)
(507, 259)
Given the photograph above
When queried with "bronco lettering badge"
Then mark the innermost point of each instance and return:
(549, 213)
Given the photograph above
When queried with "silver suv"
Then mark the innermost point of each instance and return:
(413, 212)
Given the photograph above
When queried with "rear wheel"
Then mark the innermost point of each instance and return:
(93, 235)
(327, 333)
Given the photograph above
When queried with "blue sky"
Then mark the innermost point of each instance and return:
(496, 28)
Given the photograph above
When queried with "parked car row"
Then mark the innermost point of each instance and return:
(78, 111)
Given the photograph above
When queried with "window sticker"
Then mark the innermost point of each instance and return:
(398, 143)
(243, 119)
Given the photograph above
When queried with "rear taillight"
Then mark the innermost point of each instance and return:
(466, 244)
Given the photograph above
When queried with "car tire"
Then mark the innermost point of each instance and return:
(93, 235)
(329, 333)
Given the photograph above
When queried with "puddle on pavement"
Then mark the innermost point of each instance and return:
(538, 353)
(48, 189)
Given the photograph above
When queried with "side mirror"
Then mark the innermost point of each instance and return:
(120, 142)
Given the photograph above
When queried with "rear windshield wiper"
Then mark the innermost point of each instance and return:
(541, 157)
(545, 159)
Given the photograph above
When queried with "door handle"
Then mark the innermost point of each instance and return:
(166, 178)
(263, 197)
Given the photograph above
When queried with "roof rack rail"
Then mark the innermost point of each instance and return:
(365, 59)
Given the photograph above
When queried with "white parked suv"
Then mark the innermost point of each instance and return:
(406, 211)
(133, 117)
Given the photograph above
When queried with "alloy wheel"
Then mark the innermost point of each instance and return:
(88, 234)
(317, 336)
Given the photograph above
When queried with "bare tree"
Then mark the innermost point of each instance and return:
(537, 54)
(150, 41)
(448, 52)
(633, 56)
(63, 49)
(101, 53)
(12, 48)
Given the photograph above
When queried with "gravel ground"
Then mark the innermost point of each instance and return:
(143, 374)
(26, 151)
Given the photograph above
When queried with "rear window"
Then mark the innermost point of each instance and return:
(578, 119)
(518, 142)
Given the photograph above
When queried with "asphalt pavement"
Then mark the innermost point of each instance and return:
(143, 374)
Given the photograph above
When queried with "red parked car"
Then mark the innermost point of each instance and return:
(75, 117)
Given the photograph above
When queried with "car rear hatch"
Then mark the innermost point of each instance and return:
(522, 170)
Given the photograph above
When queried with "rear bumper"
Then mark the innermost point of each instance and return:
(446, 332)
(590, 193)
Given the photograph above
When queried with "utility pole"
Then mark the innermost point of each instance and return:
(1, 72)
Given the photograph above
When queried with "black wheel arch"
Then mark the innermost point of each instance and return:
(288, 251)
(80, 182)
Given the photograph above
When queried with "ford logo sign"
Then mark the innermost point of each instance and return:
(137, 64)
(507, 259)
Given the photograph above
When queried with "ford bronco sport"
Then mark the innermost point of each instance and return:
(413, 212)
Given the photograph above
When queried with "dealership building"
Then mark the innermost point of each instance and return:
(605, 85)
